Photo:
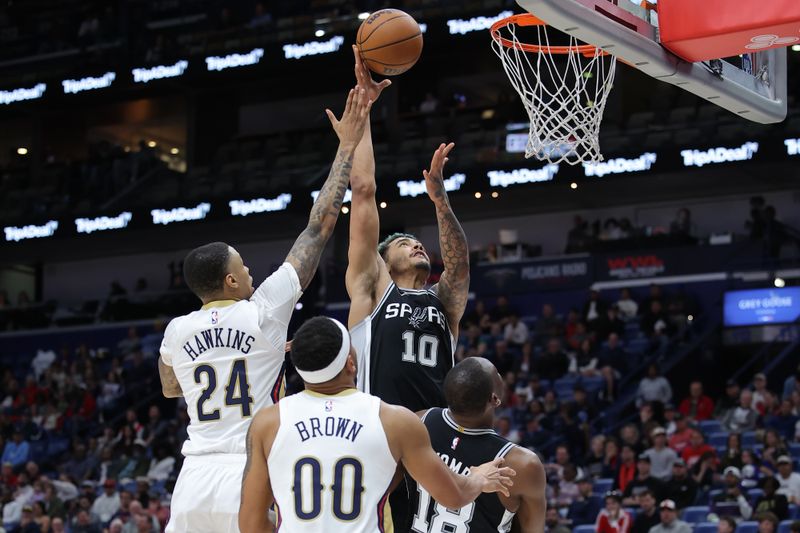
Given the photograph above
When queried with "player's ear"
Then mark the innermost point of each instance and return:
(230, 281)
(350, 364)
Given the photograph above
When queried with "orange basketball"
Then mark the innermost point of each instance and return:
(390, 42)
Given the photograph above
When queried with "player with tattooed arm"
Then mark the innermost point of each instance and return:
(227, 359)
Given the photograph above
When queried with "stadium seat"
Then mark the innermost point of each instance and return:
(754, 494)
(695, 514)
(718, 438)
(794, 450)
(794, 511)
(783, 527)
(705, 527)
(588, 528)
(710, 426)
(713, 494)
(603, 485)
(748, 439)
(747, 527)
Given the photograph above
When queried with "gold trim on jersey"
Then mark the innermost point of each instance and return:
(219, 303)
(346, 392)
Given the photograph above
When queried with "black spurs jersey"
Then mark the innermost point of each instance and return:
(405, 349)
(460, 448)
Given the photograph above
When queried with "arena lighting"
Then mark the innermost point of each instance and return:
(415, 188)
(313, 48)
(699, 158)
(792, 146)
(22, 151)
(348, 195)
(478, 195)
(151, 144)
(796, 48)
(180, 214)
(215, 63)
(242, 208)
(363, 16)
(620, 165)
(463, 26)
(521, 176)
(145, 75)
(31, 231)
(19, 95)
(516, 143)
(174, 151)
(780, 283)
(573, 185)
(383, 205)
(319, 33)
(90, 225)
(345, 209)
(88, 83)
(495, 194)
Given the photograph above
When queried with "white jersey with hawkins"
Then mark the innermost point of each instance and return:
(229, 360)
(330, 465)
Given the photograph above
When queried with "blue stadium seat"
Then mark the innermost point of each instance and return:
(603, 485)
(588, 528)
(705, 527)
(593, 384)
(710, 426)
(783, 527)
(747, 527)
(754, 494)
(794, 450)
(695, 514)
(748, 439)
(718, 438)
(713, 494)
(794, 511)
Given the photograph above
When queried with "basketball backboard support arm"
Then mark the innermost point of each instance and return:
(633, 40)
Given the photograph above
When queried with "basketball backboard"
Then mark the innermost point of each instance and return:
(756, 90)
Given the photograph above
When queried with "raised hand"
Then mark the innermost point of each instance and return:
(354, 118)
(364, 78)
(434, 178)
(494, 477)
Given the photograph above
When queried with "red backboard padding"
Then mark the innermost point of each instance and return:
(698, 30)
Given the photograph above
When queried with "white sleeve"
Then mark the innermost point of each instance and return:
(167, 344)
(277, 296)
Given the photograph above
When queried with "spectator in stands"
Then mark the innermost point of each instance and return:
(552, 521)
(611, 458)
(613, 363)
(726, 525)
(653, 388)
(608, 324)
(767, 523)
(771, 501)
(784, 421)
(643, 481)
(107, 504)
(506, 430)
(502, 311)
(762, 397)
(578, 238)
(731, 501)
(17, 450)
(535, 436)
(613, 519)
(704, 472)
(648, 516)
(788, 480)
(729, 401)
(553, 363)
(548, 325)
(130, 343)
(568, 486)
(593, 462)
(629, 434)
(682, 225)
(83, 523)
(261, 17)
(584, 361)
(696, 449)
(593, 309)
(661, 457)
(429, 104)
(669, 520)
(697, 406)
(741, 418)
(733, 452)
(80, 464)
(752, 470)
(655, 323)
(791, 384)
(628, 308)
(584, 508)
(626, 469)
(516, 332)
(579, 334)
(681, 489)
(774, 447)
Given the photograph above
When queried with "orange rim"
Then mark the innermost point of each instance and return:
(528, 19)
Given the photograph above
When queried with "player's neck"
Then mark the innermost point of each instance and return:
(332, 387)
(410, 280)
(482, 421)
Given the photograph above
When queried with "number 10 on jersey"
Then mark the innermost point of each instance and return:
(424, 350)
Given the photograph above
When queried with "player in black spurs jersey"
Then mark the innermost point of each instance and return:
(462, 436)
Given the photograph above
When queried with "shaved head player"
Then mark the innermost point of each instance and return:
(227, 359)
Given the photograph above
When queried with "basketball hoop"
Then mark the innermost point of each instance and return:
(564, 101)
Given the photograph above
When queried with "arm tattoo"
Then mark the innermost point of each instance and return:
(307, 250)
(249, 451)
(453, 286)
(169, 381)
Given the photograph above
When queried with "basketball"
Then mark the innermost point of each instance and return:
(390, 42)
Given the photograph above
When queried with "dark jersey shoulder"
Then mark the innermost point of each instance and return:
(411, 349)
(460, 448)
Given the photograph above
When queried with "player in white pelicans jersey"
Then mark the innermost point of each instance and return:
(327, 455)
(227, 359)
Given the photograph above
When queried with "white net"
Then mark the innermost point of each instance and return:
(564, 94)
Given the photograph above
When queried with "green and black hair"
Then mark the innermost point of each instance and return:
(384, 244)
